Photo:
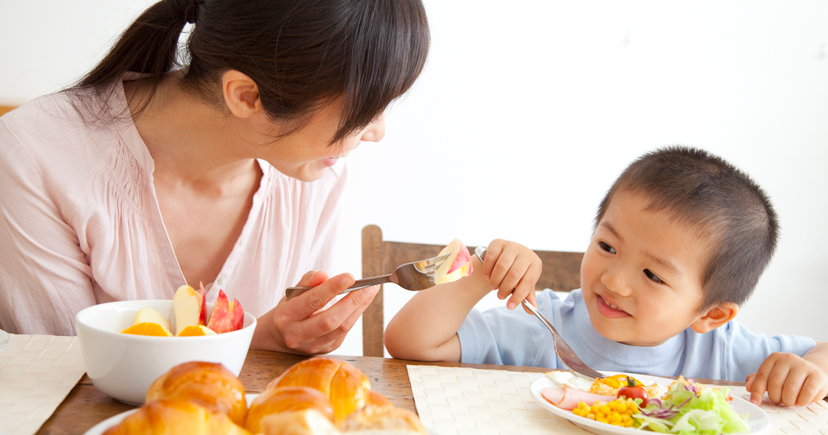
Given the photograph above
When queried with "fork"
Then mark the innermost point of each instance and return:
(564, 352)
(414, 276)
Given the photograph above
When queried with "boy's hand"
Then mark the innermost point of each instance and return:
(788, 379)
(512, 268)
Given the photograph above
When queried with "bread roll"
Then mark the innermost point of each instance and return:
(344, 384)
(374, 397)
(283, 399)
(210, 385)
(305, 422)
(175, 417)
(382, 419)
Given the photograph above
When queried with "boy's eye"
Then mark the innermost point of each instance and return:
(606, 247)
(653, 277)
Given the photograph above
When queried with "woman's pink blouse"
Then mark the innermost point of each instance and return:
(80, 224)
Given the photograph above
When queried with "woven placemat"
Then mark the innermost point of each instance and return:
(457, 400)
(36, 374)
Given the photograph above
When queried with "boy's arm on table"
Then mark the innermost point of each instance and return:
(790, 379)
(426, 327)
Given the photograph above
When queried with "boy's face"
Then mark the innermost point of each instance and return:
(641, 276)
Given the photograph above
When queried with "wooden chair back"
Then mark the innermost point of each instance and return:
(561, 272)
(6, 109)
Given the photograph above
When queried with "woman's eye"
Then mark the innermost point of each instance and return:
(653, 277)
(606, 247)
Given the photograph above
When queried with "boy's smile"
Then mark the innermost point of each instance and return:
(641, 276)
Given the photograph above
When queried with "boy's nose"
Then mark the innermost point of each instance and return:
(617, 282)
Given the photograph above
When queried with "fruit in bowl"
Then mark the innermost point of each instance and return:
(190, 310)
(124, 365)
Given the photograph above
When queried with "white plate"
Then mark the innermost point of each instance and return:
(758, 421)
(4, 339)
(101, 427)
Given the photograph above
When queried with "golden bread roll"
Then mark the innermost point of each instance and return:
(304, 422)
(383, 419)
(344, 384)
(210, 385)
(175, 417)
(374, 397)
(283, 399)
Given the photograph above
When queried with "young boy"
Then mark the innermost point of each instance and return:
(679, 244)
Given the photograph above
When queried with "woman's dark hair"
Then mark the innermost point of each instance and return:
(300, 53)
(732, 214)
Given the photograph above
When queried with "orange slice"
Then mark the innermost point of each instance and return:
(194, 331)
(147, 328)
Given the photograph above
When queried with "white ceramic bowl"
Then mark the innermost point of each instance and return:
(124, 365)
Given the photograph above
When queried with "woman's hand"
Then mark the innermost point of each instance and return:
(301, 326)
(512, 269)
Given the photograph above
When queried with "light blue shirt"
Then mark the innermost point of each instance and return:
(500, 336)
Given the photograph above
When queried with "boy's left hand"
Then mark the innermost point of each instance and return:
(788, 379)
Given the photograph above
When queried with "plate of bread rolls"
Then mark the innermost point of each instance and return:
(318, 396)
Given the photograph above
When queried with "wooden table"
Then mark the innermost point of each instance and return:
(86, 406)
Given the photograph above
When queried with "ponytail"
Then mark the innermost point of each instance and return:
(149, 46)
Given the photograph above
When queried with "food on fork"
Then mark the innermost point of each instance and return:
(206, 384)
(175, 417)
(685, 407)
(456, 266)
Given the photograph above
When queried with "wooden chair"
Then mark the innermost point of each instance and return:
(6, 109)
(561, 272)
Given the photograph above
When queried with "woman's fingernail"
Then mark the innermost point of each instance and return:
(487, 276)
(511, 305)
(345, 281)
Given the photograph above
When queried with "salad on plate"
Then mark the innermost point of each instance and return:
(683, 407)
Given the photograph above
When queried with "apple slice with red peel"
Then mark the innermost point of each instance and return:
(189, 307)
(227, 316)
(457, 265)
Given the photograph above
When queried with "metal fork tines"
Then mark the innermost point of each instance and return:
(565, 353)
(415, 276)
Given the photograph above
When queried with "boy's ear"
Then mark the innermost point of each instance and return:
(715, 317)
(241, 94)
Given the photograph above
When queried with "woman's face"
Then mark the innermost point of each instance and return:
(307, 153)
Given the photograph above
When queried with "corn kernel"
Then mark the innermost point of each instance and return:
(621, 407)
(590, 416)
(604, 409)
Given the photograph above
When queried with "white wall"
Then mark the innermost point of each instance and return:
(527, 112)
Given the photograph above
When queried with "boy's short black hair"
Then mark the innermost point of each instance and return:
(732, 213)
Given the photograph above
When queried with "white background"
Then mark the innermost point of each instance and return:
(528, 110)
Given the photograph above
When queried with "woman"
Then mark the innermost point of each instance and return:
(145, 176)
